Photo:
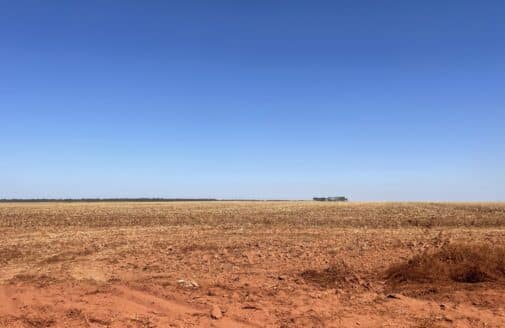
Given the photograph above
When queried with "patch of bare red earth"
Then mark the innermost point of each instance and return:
(64, 304)
(251, 273)
(329, 296)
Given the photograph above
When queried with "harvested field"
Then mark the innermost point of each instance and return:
(252, 264)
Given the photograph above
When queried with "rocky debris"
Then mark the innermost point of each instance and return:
(394, 296)
(364, 283)
(249, 256)
(216, 312)
(187, 283)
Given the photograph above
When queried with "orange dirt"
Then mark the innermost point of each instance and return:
(251, 264)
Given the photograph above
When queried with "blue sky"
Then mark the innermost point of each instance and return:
(375, 100)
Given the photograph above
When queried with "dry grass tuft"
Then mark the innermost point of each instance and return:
(467, 263)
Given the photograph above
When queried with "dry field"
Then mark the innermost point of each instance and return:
(252, 264)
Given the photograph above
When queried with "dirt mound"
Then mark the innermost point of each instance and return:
(335, 275)
(467, 263)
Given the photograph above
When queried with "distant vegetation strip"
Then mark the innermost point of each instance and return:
(38, 200)
(93, 200)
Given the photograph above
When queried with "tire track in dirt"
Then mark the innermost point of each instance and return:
(135, 300)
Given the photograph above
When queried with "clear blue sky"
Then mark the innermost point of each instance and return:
(376, 100)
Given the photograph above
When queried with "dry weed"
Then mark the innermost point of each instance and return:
(468, 263)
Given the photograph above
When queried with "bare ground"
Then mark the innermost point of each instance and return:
(251, 264)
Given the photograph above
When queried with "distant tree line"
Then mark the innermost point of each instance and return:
(33, 200)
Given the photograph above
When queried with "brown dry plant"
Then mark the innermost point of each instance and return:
(468, 263)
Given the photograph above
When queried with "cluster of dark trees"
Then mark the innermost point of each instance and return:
(331, 199)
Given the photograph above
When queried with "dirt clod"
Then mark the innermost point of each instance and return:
(187, 283)
(216, 312)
